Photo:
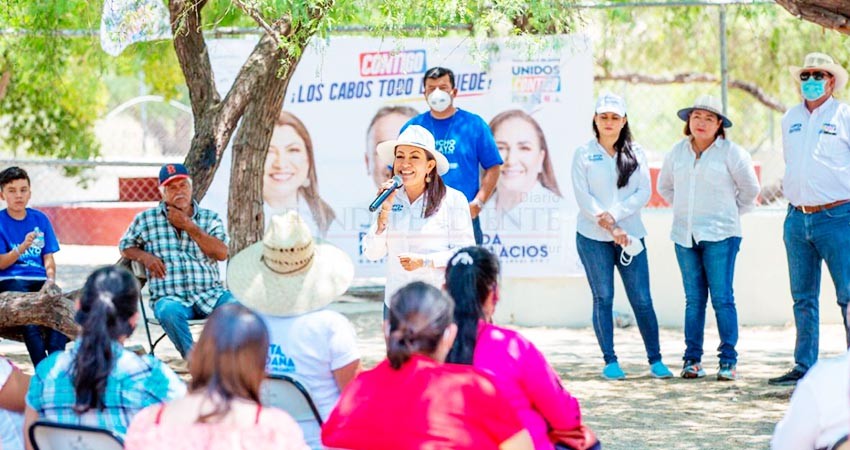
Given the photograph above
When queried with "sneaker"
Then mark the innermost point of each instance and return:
(659, 370)
(790, 378)
(727, 372)
(692, 369)
(613, 371)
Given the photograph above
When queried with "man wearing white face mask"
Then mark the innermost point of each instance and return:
(816, 142)
(465, 140)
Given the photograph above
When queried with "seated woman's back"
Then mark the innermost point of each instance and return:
(97, 382)
(425, 404)
(414, 401)
(246, 426)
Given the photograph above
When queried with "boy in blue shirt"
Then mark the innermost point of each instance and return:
(27, 245)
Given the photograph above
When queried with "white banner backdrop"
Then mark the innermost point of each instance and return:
(351, 92)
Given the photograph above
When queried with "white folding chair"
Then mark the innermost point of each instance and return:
(286, 393)
(59, 436)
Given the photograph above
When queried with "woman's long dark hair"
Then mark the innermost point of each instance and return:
(229, 359)
(109, 299)
(627, 162)
(419, 315)
(472, 273)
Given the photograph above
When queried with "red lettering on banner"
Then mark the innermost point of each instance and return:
(379, 64)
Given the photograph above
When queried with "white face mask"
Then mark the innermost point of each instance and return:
(630, 251)
(439, 100)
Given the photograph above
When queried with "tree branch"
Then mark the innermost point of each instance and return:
(690, 77)
(827, 13)
(4, 81)
(254, 14)
(193, 56)
(50, 308)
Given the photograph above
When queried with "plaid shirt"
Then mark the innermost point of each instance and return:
(134, 383)
(190, 276)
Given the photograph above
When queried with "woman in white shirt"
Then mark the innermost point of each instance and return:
(419, 224)
(710, 182)
(611, 183)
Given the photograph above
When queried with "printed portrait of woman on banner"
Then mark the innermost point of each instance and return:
(289, 176)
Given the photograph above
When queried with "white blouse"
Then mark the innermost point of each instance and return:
(435, 238)
(595, 185)
(708, 194)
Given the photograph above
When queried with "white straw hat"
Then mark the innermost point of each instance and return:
(823, 62)
(287, 273)
(416, 136)
(706, 103)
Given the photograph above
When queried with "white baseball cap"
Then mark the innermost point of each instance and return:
(612, 103)
(415, 136)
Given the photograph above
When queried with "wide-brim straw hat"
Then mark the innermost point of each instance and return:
(416, 136)
(288, 273)
(706, 103)
(824, 62)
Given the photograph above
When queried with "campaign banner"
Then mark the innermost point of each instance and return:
(349, 93)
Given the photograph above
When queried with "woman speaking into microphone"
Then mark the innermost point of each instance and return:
(420, 223)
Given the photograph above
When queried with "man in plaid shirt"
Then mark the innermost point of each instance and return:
(179, 244)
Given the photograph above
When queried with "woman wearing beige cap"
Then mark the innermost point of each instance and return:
(710, 182)
(289, 278)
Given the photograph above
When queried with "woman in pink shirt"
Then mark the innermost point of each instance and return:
(516, 366)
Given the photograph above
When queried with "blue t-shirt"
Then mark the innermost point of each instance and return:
(30, 265)
(466, 141)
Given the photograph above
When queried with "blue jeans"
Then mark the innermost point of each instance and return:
(810, 239)
(599, 259)
(40, 341)
(174, 317)
(710, 267)
(476, 230)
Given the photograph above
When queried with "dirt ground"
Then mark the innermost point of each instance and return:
(637, 413)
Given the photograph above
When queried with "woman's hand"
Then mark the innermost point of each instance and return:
(606, 221)
(621, 238)
(386, 206)
(411, 261)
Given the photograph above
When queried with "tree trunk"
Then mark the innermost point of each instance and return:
(51, 309)
(833, 14)
(250, 146)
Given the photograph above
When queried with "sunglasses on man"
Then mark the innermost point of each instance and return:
(804, 76)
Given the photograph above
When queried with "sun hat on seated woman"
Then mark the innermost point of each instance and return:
(289, 273)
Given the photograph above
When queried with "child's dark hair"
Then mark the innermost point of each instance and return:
(472, 273)
(11, 174)
(419, 315)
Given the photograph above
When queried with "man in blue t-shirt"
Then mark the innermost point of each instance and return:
(27, 243)
(464, 138)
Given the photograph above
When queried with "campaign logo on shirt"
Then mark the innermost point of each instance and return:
(397, 207)
(278, 362)
(795, 128)
(446, 146)
(829, 128)
(594, 157)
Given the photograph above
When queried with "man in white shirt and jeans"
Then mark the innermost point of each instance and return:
(816, 143)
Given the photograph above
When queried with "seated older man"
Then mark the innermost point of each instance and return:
(179, 244)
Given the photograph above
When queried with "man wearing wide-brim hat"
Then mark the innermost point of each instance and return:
(290, 278)
(816, 143)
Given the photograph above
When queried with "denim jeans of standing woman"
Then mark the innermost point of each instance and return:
(599, 259)
(709, 268)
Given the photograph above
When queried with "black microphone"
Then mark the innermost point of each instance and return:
(397, 182)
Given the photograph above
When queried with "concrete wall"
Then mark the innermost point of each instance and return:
(762, 291)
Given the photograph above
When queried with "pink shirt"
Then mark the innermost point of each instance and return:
(527, 381)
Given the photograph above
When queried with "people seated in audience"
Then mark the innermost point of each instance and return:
(413, 400)
(819, 413)
(222, 410)
(97, 382)
(290, 279)
(517, 367)
(13, 390)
